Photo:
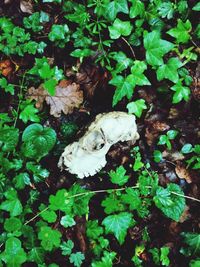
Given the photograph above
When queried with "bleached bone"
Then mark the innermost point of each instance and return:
(88, 156)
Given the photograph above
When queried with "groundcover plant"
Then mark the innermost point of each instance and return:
(61, 64)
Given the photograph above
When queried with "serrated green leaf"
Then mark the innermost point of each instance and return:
(67, 247)
(77, 258)
(118, 176)
(171, 201)
(12, 204)
(67, 221)
(118, 225)
(93, 230)
(49, 238)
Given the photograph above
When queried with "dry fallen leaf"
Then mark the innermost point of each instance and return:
(67, 97)
(26, 6)
(6, 67)
(153, 130)
(183, 173)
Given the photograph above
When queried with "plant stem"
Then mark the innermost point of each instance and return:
(132, 51)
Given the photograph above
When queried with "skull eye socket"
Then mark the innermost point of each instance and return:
(94, 141)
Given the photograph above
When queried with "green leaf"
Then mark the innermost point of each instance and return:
(137, 76)
(120, 28)
(77, 258)
(49, 238)
(67, 221)
(171, 201)
(106, 260)
(50, 86)
(196, 7)
(118, 225)
(156, 48)
(181, 32)
(47, 214)
(36, 255)
(181, 93)
(9, 137)
(194, 263)
(137, 9)
(123, 62)
(124, 88)
(157, 156)
(193, 241)
(12, 224)
(93, 230)
(12, 204)
(41, 139)
(39, 174)
(112, 203)
(132, 198)
(166, 10)
(58, 32)
(13, 255)
(118, 176)
(67, 247)
(28, 112)
(171, 134)
(60, 201)
(187, 148)
(9, 88)
(136, 107)
(164, 252)
(116, 6)
(169, 70)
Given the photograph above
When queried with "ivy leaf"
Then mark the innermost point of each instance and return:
(49, 238)
(120, 28)
(118, 225)
(181, 92)
(193, 241)
(13, 255)
(181, 32)
(156, 48)
(58, 32)
(166, 10)
(115, 7)
(136, 107)
(40, 139)
(50, 86)
(67, 247)
(118, 176)
(196, 7)
(137, 73)
(171, 205)
(77, 258)
(67, 221)
(137, 9)
(28, 112)
(124, 88)
(123, 62)
(12, 204)
(93, 230)
(169, 70)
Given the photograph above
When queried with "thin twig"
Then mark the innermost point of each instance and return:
(107, 190)
(132, 51)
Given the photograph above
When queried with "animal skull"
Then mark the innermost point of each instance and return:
(88, 156)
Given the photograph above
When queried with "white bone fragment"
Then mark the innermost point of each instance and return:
(88, 156)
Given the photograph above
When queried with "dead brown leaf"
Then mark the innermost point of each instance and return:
(183, 173)
(6, 67)
(26, 6)
(67, 97)
(153, 130)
